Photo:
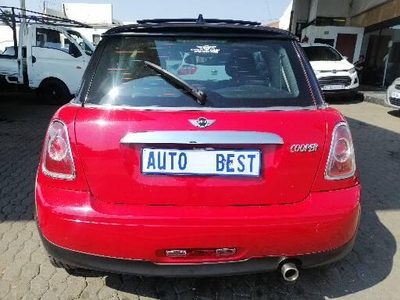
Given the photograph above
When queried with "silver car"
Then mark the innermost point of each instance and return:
(393, 94)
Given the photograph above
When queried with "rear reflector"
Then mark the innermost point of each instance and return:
(341, 160)
(57, 158)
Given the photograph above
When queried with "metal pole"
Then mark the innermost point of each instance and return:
(390, 44)
(385, 71)
(14, 27)
(22, 34)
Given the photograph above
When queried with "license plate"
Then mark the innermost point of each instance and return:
(395, 95)
(333, 87)
(201, 162)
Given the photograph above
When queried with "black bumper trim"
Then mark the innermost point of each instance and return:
(145, 268)
(339, 93)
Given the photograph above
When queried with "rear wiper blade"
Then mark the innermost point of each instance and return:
(199, 95)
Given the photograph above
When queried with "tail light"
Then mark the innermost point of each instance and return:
(57, 158)
(187, 70)
(341, 160)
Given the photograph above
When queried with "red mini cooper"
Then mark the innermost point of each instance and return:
(198, 148)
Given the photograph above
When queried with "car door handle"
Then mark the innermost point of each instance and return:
(33, 59)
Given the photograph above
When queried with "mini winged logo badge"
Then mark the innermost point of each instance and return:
(202, 122)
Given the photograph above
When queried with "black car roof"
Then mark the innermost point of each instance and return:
(199, 26)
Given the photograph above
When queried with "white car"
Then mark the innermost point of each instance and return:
(335, 74)
(201, 66)
(393, 94)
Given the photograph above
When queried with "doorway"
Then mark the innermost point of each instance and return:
(346, 44)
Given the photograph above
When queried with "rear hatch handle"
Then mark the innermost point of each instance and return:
(202, 138)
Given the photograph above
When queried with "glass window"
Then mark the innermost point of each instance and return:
(82, 42)
(96, 39)
(320, 53)
(381, 48)
(232, 72)
(48, 38)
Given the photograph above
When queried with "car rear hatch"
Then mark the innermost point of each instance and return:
(163, 158)
(149, 136)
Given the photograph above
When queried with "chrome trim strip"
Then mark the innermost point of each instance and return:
(238, 109)
(202, 138)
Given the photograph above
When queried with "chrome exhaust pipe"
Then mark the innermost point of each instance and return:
(289, 271)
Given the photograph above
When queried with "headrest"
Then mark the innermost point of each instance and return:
(240, 64)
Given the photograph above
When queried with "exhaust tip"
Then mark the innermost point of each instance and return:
(289, 272)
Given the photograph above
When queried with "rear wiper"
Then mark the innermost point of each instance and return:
(199, 95)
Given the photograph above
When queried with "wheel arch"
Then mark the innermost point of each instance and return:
(52, 78)
(54, 91)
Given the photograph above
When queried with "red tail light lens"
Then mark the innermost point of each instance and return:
(57, 157)
(187, 70)
(341, 161)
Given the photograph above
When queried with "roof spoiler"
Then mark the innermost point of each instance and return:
(199, 20)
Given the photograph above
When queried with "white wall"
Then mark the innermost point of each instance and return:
(313, 10)
(301, 9)
(331, 32)
(284, 21)
(89, 13)
(301, 12)
(333, 8)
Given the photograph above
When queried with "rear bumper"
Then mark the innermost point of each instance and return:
(145, 268)
(81, 231)
(341, 93)
(392, 102)
(349, 90)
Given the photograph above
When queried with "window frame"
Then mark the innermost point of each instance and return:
(306, 90)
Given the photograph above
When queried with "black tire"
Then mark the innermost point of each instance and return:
(54, 92)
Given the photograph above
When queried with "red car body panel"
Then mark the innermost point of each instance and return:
(114, 173)
(142, 223)
(322, 222)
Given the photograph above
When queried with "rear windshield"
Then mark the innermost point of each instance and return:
(233, 73)
(320, 53)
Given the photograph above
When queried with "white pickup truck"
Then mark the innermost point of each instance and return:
(50, 58)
